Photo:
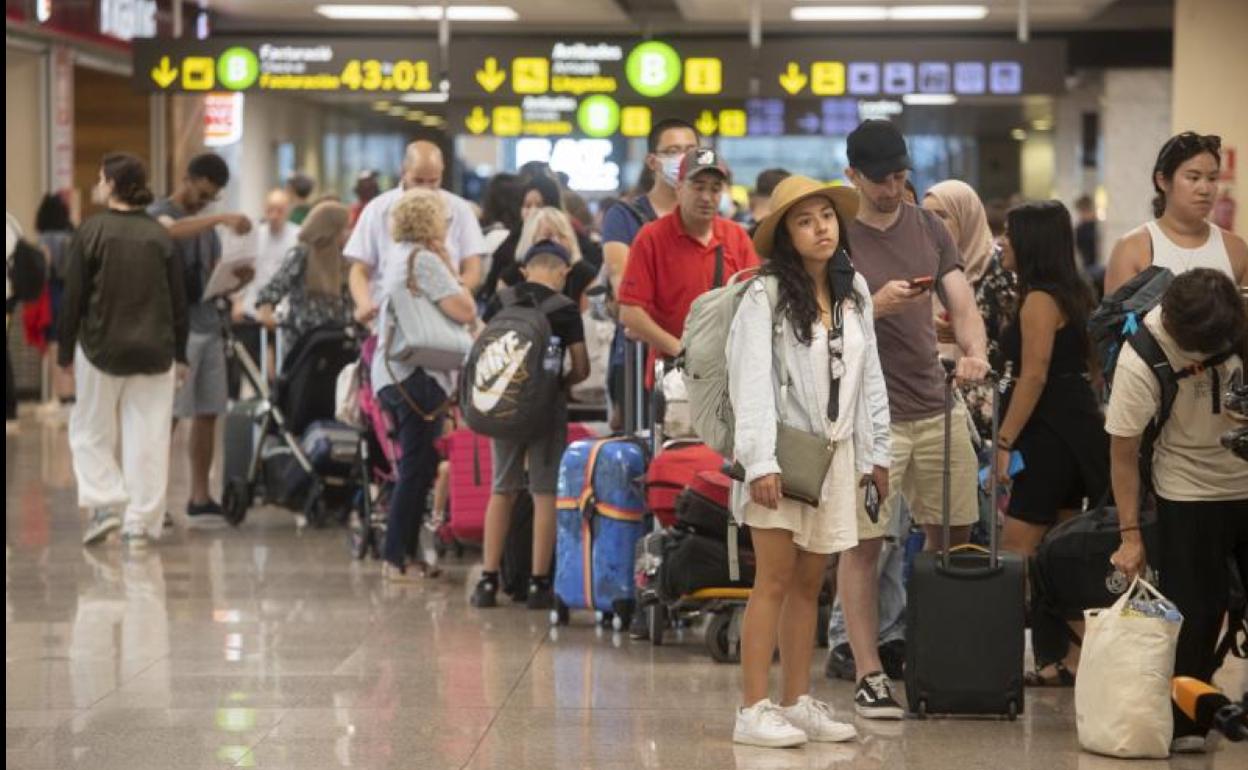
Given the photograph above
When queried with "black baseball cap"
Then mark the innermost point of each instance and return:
(550, 247)
(877, 149)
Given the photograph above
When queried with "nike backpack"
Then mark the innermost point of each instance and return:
(508, 387)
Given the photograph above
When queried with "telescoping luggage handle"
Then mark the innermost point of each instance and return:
(993, 550)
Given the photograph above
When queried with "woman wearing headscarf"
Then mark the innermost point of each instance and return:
(314, 274)
(996, 289)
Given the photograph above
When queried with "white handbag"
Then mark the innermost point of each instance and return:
(347, 396)
(422, 335)
(1122, 692)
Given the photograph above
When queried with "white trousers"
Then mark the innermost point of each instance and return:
(137, 411)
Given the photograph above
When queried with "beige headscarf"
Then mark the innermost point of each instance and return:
(975, 242)
(326, 272)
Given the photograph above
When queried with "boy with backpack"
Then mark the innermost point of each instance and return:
(1165, 420)
(515, 391)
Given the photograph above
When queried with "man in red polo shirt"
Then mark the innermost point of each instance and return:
(673, 260)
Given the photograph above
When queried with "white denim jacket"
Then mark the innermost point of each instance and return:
(754, 387)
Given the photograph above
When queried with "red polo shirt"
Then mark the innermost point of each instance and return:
(668, 269)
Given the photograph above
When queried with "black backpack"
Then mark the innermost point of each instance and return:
(505, 391)
(1121, 314)
(28, 271)
(1145, 345)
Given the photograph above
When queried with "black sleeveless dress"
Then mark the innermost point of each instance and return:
(1064, 446)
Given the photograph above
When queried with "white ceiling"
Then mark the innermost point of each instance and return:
(609, 17)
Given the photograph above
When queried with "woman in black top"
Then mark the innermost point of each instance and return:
(1052, 419)
(123, 326)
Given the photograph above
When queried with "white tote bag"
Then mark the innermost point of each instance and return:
(347, 396)
(1122, 692)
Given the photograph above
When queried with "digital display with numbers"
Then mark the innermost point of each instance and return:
(348, 66)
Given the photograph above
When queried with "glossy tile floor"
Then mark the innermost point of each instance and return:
(265, 647)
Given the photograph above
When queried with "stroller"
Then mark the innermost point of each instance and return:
(380, 461)
(284, 443)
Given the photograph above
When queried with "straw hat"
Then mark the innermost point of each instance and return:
(793, 191)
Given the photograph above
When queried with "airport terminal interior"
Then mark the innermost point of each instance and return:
(298, 574)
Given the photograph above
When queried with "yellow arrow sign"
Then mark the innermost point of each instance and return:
(477, 122)
(165, 74)
(793, 79)
(490, 76)
(706, 124)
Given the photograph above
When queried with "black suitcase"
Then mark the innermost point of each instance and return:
(241, 428)
(965, 620)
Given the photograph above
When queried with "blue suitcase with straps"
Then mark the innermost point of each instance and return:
(601, 517)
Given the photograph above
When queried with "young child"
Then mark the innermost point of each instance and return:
(545, 268)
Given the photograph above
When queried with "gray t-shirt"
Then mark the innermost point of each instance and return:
(915, 246)
(199, 256)
(435, 281)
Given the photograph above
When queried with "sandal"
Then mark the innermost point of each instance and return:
(1065, 677)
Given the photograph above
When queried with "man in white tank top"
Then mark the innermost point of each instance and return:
(1181, 238)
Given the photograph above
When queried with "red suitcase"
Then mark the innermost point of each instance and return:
(471, 475)
(671, 472)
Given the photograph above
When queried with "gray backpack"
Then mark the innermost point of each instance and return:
(506, 391)
(705, 360)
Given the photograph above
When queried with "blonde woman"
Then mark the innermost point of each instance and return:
(313, 275)
(551, 224)
(417, 399)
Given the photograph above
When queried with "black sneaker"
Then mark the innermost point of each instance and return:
(541, 595)
(204, 515)
(874, 698)
(841, 663)
(893, 658)
(486, 592)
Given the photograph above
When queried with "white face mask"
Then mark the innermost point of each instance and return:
(671, 169)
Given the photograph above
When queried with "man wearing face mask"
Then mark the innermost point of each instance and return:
(379, 262)
(202, 398)
(669, 140)
(676, 259)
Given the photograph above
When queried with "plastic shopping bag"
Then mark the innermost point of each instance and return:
(1122, 693)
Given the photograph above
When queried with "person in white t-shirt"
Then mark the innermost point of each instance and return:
(275, 237)
(380, 262)
(1200, 487)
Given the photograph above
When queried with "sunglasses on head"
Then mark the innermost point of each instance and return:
(1190, 140)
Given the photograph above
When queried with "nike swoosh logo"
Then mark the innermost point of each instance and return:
(487, 394)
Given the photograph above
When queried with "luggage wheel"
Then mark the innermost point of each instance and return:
(560, 615)
(1011, 711)
(235, 500)
(657, 622)
(723, 637)
(921, 711)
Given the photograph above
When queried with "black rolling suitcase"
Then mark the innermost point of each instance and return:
(964, 620)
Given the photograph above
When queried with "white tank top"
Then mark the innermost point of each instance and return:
(1211, 254)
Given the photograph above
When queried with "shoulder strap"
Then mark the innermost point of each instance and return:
(556, 301)
(642, 217)
(1145, 345)
(719, 267)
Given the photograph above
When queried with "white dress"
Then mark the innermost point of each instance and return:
(833, 526)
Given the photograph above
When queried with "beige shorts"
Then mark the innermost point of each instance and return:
(830, 528)
(917, 473)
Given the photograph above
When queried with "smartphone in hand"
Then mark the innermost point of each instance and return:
(923, 282)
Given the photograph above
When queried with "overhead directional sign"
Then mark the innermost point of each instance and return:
(620, 68)
(860, 67)
(302, 65)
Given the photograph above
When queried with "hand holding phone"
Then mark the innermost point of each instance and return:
(923, 282)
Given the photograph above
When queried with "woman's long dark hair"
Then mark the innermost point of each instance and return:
(1044, 254)
(797, 291)
(53, 215)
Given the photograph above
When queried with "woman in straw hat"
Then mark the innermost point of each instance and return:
(823, 309)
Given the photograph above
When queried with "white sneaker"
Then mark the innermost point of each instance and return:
(763, 724)
(815, 718)
(1189, 744)
(102, 523)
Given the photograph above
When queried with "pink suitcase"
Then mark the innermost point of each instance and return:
(471, 473)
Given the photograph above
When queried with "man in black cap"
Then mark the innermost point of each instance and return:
(905, 253)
